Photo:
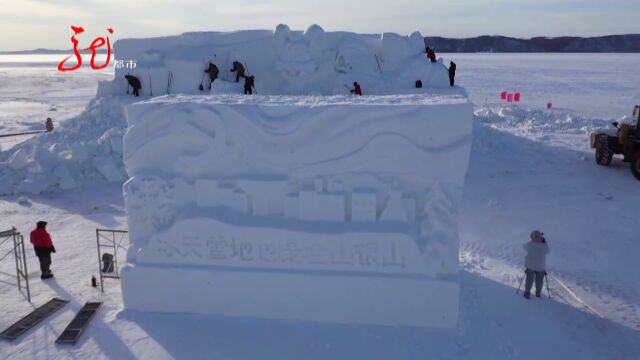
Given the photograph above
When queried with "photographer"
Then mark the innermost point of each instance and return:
(535, 262)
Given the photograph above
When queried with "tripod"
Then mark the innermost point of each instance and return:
(546, 279)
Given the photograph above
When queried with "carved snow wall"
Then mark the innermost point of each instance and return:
(336, 209)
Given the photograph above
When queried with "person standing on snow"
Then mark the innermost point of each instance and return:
(43, 246)
(249, 84)
(431, 55)
(135, 84)
(238, 69)
(213, 71)
(357, 90)
(535, 262)
(452, 73)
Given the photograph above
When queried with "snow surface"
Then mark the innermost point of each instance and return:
(600, 85)
(29, 94)
(206, 202)
(529, 168)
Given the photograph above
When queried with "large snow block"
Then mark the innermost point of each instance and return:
(283, 61)
(330, 209)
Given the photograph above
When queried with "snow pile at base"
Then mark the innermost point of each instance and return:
(306, 208)
(313, 62)
(84, 149)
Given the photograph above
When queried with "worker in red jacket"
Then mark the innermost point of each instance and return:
(43, 246)
(431, 55)
(357, 90)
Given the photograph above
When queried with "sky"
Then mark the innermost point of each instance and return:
(30, 24)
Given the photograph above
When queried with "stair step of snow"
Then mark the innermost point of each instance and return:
(72, 332)
(32, 319)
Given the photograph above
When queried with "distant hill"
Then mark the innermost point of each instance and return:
(46, 51)
(566, 44)
(629, 43)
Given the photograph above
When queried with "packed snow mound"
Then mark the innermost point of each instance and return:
(546, 126)
(321, 207)
(84, 149)
(284, 62)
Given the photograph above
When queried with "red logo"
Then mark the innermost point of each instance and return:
(96, 44)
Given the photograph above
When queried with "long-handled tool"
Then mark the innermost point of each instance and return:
(521, 281)
(546, 277)
(378, 62)
(150, 88)
(48, 125)
(201, 81)
(169, 78)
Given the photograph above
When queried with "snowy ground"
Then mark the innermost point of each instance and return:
(32, 89)
(529, 168)
(603, 85)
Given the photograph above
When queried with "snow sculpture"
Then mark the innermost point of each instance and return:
(332, 209)
(283, 61)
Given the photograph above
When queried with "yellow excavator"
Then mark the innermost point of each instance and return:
(625, 142)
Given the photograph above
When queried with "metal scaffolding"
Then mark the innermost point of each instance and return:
(108, 265)
(17, 249)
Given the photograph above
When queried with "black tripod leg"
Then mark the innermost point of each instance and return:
(521, 281)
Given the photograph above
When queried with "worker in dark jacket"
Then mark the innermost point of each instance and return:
(452, 73)
(213, 72)
(43, 246)
(431, 55)
(238, 69)
(357, 90)
(134, 82)
(249, 82)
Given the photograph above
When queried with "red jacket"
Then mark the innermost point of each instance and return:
(41, 238)
(357, 90)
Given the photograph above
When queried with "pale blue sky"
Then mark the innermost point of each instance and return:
(28, 24)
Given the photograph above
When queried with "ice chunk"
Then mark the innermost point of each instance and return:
(66, 179)
(108, 168)
(19, 159)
